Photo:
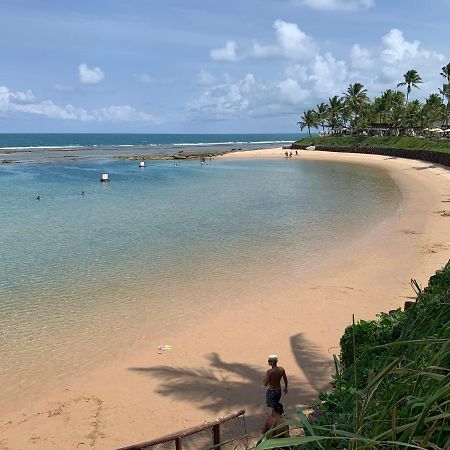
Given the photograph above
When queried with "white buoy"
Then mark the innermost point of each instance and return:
(104, 177)
(142, 164)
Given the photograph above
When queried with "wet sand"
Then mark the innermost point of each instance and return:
(217, 362)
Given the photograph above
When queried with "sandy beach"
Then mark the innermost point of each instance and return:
(218, 361)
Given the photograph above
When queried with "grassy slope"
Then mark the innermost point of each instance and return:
(415, 143)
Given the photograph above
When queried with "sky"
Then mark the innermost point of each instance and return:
(205, 66)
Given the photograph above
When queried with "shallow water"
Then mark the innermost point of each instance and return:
(84, 277)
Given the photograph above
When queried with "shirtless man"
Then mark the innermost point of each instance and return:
(273, 382)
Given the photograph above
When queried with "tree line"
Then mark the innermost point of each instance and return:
(390, 113)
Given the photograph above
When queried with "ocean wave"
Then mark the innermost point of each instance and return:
(44, 147)
(178, 144)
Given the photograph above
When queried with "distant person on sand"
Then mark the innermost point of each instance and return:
(296, 153)
(277, 422)
(286, 154)
(272, 381)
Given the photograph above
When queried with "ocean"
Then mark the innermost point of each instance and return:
(85, 277)
(50, 147)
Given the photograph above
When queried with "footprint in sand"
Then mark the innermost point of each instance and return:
(443, 213)
(409, 232)
(73, 424)
(436, 248)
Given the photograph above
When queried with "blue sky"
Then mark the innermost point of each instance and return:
(205, 66)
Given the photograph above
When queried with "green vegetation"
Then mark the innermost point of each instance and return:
(390, 114)
(404, 142)
(392, 384)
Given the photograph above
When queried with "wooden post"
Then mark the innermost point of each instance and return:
(178, 444)
(216, 436)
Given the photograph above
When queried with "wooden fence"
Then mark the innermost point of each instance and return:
(177, 438)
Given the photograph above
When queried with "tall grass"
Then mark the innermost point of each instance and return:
(392, 382)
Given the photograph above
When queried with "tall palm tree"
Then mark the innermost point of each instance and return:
(309, 119)
(356, 99)
(322, 114)
(335, 111)
(412, 79)
(446, 89)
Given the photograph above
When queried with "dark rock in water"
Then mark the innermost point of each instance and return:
(179, 156)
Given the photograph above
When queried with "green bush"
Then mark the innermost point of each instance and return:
(392, 382)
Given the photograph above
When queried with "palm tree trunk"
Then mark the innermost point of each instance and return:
(309, 132)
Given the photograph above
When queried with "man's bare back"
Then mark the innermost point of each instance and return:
(273, 378)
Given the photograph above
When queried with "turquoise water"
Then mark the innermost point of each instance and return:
(87, 276)
(36, 140)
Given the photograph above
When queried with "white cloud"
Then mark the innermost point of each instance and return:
(206, 78)
(226, 53)
(124, 113)
(291, 91)
(312, 76)
(17, 102)
(398, 55)
(90, 75)
(226, 98)
(337, 5)
(360, 57)
(22, 97)
(291, 43)
(328, 75)
(396, 48)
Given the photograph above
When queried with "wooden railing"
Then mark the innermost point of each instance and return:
(177, 437)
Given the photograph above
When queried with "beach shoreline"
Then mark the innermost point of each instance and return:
(217, 363)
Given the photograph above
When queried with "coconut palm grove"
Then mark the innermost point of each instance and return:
(390, 114)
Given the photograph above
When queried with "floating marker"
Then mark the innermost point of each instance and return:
(142, 164)
(105, 177)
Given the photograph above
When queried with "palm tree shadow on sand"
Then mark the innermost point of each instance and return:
(227, 386)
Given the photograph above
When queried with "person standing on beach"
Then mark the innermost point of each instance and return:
(272, 381)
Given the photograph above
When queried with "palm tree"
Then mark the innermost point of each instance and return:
(412, 79)
(433, 110)
(322, 114)
(446, 72)
(335, 111)
(309, 120)
(446, 89)
(356, 99)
